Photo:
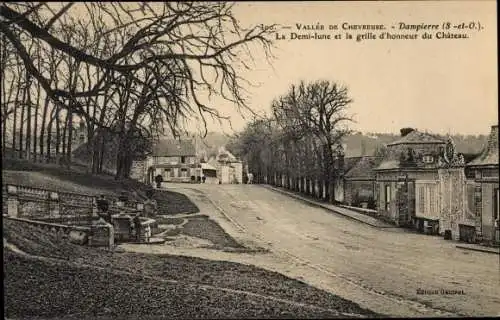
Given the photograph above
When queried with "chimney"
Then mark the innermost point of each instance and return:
(406, 131)
(493, 138)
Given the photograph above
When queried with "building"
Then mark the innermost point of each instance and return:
(486, 202)
(425, 183)
(229, 168)
(407, 179)
(360, 181)
(209, 172)
(175, 160)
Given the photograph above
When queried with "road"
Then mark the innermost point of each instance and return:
(381, 269)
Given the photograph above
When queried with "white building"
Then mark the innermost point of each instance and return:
(229, 168)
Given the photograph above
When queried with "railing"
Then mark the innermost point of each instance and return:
(50, 206)
(56, 206)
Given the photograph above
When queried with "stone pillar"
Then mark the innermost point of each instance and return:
(54, 205)
(95, 210)
(102, 234)
(12, 201)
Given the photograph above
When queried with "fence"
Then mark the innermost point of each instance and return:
(49, 206)
(55, 206)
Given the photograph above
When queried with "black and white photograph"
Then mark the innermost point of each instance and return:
(250, 160)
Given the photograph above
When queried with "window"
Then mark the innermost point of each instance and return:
(428, 159)
(183, 159)
(166, 172)
(387, 196)
(421, 199)
(478, 174)
(184, 173)
(426, 199)
(432, 200)
(172, 173)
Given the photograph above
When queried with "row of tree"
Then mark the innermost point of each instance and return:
(298, 145)
(129, 71)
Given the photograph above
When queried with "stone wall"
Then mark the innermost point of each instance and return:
(362, 190)
(98, 235)
(238, 171)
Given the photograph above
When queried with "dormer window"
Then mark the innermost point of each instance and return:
(428, 159)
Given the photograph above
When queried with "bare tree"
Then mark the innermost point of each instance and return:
(200, 46)
(322, 107)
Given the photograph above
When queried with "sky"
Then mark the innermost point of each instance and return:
(442, 86)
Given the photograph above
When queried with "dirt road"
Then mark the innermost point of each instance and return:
(388, 271)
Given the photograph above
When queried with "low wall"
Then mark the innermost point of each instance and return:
(361, 210)
(98, 235)
(56, 206)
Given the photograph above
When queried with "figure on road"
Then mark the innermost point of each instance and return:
(250, 178)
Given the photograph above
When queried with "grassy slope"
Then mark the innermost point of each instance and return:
(41, 288)
(76, 179)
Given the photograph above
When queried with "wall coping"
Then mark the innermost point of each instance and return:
(49, 190)
(47, 224)
(358, 209)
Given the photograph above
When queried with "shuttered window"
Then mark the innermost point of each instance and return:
(427, 199)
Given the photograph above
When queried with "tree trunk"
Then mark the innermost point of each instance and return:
(14, 124)
(65, 136)
(35, 127)
(44, 120)
(6, 99)
(58, 132)
(28, 119)
(101, 155)
(53, 116)
(70, 139)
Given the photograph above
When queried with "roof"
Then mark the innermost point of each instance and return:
(212, 162)
(174, 148)
(350, 162)
(364, 168)
(417, 137)
(489, 156)
(207, 166)
(389, 164)
(225, 155)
